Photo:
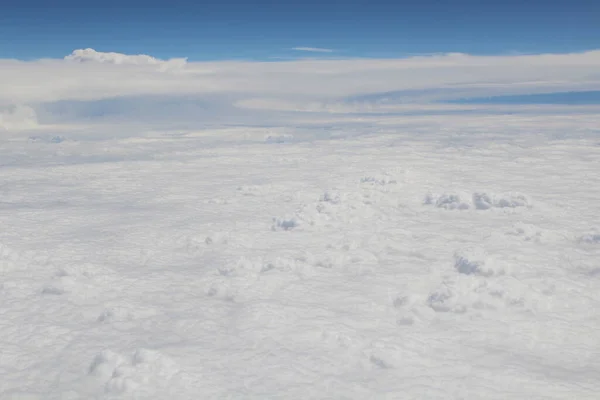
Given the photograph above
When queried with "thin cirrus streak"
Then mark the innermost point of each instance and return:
(313, 49)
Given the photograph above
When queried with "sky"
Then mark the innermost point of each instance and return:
(271, 30)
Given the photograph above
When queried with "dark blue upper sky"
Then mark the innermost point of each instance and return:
(262, 29)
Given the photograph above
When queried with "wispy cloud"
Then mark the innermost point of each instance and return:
(313, 49)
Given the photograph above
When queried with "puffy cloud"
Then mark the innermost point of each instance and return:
(93, 56)
(18, 117)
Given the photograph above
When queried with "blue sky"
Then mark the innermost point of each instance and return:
(267, 30)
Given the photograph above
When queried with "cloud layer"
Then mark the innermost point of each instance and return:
(89, 75)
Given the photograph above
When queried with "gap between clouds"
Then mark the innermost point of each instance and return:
(317, 85)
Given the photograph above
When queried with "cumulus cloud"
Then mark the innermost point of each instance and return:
(93, 56)
(17, 118)
(313, 49)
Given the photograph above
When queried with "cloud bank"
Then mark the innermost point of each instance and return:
(314, 85)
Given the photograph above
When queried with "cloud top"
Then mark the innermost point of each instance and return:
(93, 56)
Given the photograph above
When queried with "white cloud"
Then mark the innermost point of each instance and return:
(93, 56)
(17, 118)
(87, 75)
(313, 49)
